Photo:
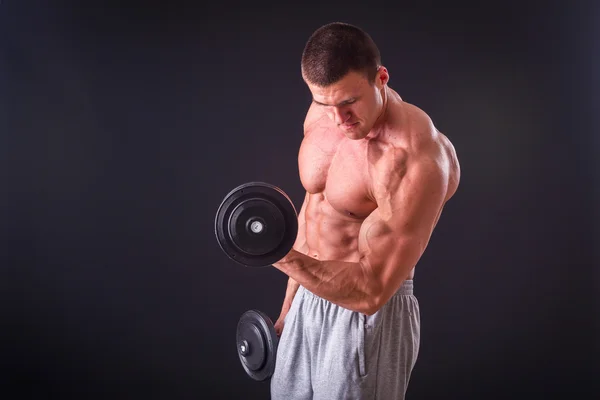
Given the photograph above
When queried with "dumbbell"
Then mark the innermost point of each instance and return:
(256, 225)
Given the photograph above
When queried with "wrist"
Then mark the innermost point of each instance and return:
(288, 258)
(294, 261)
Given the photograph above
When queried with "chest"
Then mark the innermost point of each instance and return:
(339, 170)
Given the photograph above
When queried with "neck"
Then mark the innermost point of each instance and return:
(380, 121)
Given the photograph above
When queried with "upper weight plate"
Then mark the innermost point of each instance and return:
(256, 224)
(257, 342)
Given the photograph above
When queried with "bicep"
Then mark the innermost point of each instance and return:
(394, 236)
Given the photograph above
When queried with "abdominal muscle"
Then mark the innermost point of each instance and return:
(332, 235)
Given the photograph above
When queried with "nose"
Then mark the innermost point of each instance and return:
(339, 115)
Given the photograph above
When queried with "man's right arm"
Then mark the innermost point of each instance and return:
(300, 246)
(312, 116)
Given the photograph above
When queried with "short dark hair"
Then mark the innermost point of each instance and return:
(337, 48)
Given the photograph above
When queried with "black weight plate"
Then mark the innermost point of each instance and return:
(256, 224)
(257, 342)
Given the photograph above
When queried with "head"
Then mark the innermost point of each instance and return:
(341, 66)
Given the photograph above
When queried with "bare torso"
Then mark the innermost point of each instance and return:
(337, 172)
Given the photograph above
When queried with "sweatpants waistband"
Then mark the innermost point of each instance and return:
(406, 289)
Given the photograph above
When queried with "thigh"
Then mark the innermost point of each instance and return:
(371, 357)
(291, 378)
(341, 362)
(394, 346)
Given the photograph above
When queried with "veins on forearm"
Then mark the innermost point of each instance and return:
(341, 282)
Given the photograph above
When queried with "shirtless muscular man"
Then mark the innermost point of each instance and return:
(377, 174)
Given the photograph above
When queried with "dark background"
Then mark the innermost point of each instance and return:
(125, 123)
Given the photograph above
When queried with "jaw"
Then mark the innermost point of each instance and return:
(356, 133)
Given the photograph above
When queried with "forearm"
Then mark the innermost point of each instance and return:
(346, 284)
(301, 246)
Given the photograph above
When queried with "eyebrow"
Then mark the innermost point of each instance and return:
(342, 103)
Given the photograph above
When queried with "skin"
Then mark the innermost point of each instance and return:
(377, 174)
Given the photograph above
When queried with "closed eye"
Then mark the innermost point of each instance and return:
(341, 104)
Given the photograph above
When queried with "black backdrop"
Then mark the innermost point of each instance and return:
(124, 125)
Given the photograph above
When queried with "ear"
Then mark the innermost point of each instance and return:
(382, 77)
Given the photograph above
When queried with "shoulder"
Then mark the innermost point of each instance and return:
(416, 129)
(432, 152)
(314, 120)
(410, 151)
(409, 135)
(320, 131)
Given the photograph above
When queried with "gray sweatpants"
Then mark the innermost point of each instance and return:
(327, 352)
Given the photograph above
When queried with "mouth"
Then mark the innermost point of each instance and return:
(348, 126)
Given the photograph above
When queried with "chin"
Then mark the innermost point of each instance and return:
(355, 135)
(359, 133)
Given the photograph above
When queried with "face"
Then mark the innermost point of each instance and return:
(352, 103)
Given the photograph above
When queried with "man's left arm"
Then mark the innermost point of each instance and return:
(391, 241)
